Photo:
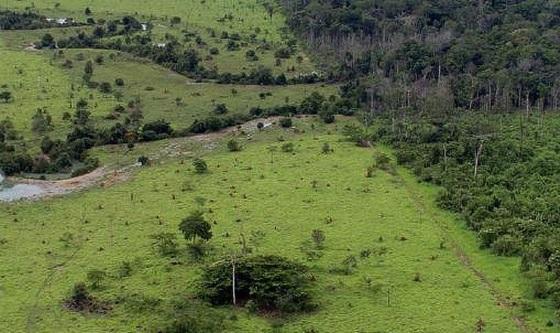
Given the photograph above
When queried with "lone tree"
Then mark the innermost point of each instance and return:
(195, 226)
(262, 283)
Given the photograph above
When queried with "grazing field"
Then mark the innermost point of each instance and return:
(259, 30)
(35, 82)
(246, 15)
(39, 80)
(407, 275)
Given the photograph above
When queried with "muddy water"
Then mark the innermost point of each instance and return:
(12, 192)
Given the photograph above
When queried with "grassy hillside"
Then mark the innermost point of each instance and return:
(258, 30)
(39, 80)
(276, 205)
(246, 14)
(53, 80)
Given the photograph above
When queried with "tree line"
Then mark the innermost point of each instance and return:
(11, 20)
(128, 35)
(71, 154)
(488, 55)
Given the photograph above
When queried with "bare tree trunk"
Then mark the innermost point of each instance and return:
(444, 157)
(233, 281)
(477, 158)
(527, 105)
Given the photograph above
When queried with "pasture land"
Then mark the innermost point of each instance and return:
(408, 276)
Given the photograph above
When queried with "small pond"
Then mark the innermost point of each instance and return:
(12, 192)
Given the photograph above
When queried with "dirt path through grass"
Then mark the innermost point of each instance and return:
(503, 301)
(106, 177)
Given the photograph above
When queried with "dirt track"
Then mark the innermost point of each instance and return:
(106, 177)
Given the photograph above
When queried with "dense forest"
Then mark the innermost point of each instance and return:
(489, 55)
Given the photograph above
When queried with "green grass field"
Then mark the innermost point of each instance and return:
(248, 18)
(247, 15)
(245, 192)
(38, 80)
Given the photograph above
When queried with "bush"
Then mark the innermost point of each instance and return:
(80, 300)
(272, 283)
(326, 148)
(143, 160)
(318, 237)
(165, 244)
(234, 145)
(286, 122)
(327, 115)
(200, 165)
(539, 283)
(90, 164)
(119, 82)
(288, 147)
(383, 162)
(507, 245)
(95, 278)
(220, 109)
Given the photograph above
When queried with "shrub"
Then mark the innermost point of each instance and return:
(80, 300)
(143, 160)
(165, 244)
(234, 145)
(286, 122)
(220, 109)
(119, 82)
(383, 162)
(318, 237)
(507, 245)
(156, 130)
(200, 165)
(90, 164)
(327, 115)
(95, 278)
(272, 283)
(539, 283)
(41, 121)
(326, 148)
(288, 147)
